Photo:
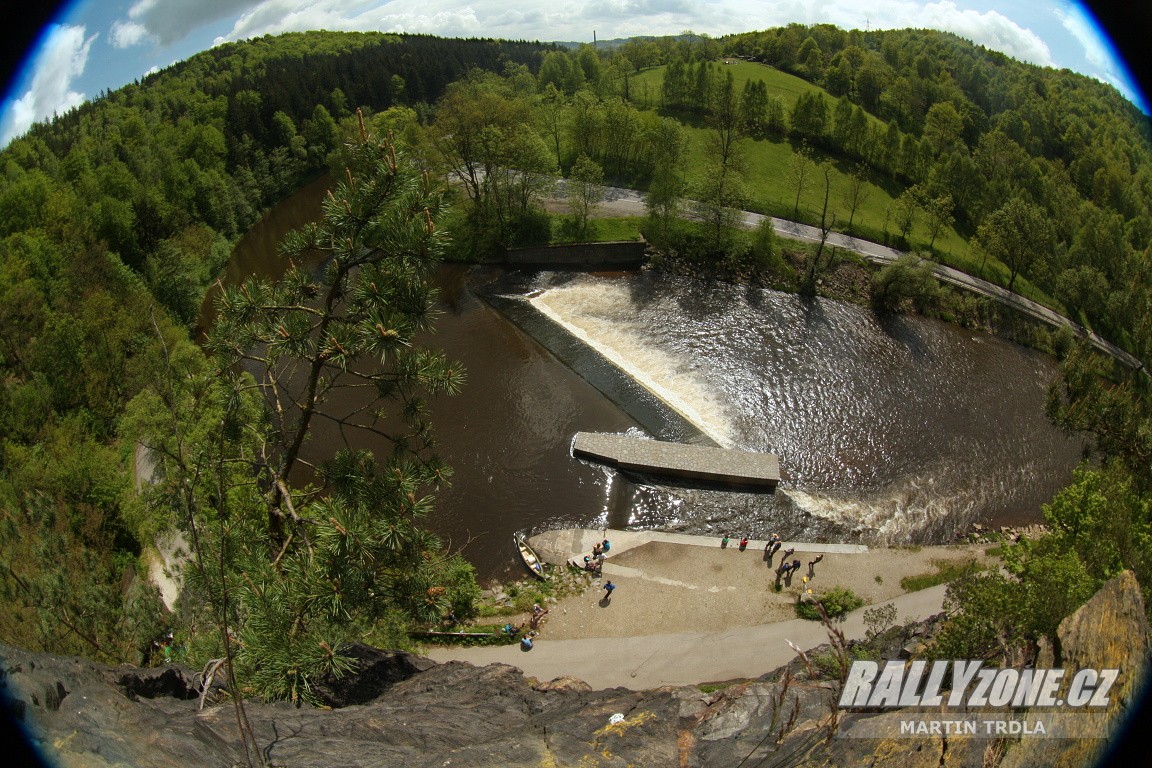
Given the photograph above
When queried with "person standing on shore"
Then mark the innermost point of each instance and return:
(608, 587)
(812, 564)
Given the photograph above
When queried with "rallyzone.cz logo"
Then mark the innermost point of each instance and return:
(901, 684)
(963, 696)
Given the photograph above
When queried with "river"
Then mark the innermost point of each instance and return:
(890, 430)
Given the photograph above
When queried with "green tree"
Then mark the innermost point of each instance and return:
(800, 167)
(585, 190)
(1018, 234)
(856, 192)
(908, 278)
(943, 128)
(484, 136)
(816, 265)
(906, 206)
(666, 189)
(754, 107)
(810, 116)
(763, 256)
(295, 573)
(774, 119)
(727, 122)
(939, 212)
(551, 116)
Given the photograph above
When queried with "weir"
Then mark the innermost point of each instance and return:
(648, 410)
(727, 466)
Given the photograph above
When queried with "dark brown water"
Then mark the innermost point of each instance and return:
(894, 430)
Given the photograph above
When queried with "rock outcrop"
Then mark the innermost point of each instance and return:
(402, 710)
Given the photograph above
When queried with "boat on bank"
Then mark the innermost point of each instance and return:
(531, 560)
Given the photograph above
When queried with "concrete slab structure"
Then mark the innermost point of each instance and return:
(559, 546)
(715, 465)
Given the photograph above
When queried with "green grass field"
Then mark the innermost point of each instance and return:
(606, 230)
(647, 83)
(770, 187)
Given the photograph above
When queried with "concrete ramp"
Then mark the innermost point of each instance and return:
(727, 466)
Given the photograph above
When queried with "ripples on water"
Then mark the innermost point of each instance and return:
(889, 430)
(896, 429)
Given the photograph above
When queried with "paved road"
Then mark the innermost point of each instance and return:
(629, 202)
(682, 658)
(643, 663)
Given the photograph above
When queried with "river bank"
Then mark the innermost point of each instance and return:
(675, 583)
(687, 610)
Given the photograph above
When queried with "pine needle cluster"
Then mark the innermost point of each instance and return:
(286, 575)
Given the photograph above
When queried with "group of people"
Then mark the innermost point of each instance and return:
(786, 570)
(594, 562)
(533, 624)
(787, 567)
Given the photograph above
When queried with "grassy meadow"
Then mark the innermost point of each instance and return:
(770, 188)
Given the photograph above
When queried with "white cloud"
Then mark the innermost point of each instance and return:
(170, 20)
(990, 29)
(556, 20)
(1083, 28)
(126, 34)
(575, 19)
(59, 62)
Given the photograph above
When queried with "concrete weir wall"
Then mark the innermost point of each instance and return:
(580, 256)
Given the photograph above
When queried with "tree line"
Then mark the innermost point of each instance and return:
(114, 219)
(116, 216)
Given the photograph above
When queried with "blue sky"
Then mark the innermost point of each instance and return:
(94, 45)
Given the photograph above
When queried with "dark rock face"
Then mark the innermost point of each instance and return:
(405, 711)
(168, 682)
(376, 672)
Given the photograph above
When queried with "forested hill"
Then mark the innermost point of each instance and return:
(113, 219)
(1009, 142)
(900, 74)
(116, 216)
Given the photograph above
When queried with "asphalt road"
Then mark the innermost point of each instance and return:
(691, 658)
(629, 202)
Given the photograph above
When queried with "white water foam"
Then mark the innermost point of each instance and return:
(592, 312)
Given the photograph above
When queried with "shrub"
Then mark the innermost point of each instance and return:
(837, 601)
(459, 578)
(879, 619)
(946, 571)
(909, 278)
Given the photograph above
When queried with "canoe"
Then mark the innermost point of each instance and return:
(531, 560)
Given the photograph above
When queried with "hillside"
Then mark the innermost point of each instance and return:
(115, 217)
(400, 710)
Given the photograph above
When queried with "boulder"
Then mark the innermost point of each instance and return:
(1109, 631)
(397, 709)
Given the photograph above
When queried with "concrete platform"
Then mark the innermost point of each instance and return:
(697, 462)
(558, 546)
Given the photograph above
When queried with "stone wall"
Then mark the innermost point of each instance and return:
(579, 256)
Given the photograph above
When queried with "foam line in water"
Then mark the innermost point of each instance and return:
(658, 372)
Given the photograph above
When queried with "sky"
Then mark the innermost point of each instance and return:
(96, 45)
